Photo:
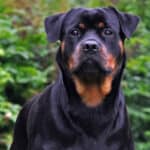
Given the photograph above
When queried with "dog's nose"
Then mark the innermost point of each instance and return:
(90, 46)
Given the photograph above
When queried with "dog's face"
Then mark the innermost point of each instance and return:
(88, 46)
(91, 43)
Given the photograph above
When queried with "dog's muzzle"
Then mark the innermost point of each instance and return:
(90, 46)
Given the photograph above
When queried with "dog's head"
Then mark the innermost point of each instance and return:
(92, 43)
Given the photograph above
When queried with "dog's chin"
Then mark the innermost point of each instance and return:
(90, 72)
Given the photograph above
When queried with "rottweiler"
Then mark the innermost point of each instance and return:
(84, 109)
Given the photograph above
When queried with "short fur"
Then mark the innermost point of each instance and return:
(85, 108)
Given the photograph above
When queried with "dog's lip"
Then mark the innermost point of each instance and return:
(100, 66)
(90, 62)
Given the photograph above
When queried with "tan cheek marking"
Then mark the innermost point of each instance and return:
(73, 60)
(103, 51)
(108, 58)
(70, 63)
(62, 46)
(101, 25)
(121, 46)
(82, 26)
(111, 62)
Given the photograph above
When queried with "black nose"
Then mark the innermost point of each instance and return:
(90, 46)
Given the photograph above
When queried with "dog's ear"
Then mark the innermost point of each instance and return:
(53, 26)
(128, 22)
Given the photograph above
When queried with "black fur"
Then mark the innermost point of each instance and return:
(57, 119)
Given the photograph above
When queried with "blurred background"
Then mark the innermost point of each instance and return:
(27, 60)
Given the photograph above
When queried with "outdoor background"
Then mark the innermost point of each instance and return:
(27, 60)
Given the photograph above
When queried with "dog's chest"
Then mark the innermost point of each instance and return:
(85, 143)
(81, 143)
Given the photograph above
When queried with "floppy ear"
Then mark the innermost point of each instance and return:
(53, 26)
(128, 22)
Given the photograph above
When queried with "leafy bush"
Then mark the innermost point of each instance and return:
(26, 63)
(8, 114)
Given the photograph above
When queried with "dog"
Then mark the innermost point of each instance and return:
(84, 109)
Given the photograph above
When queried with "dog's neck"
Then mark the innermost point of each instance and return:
(79, 112)
(93, 95)
(80, 92)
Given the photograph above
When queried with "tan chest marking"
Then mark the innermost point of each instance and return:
(93, 95)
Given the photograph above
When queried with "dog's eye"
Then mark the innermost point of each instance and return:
(75, 32)
(107, 32)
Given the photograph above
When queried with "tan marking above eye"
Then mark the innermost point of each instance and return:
(101, 25)
(82, 26)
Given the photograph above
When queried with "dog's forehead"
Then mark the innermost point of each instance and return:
(92, 16)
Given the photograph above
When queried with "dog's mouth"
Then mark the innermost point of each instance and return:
(90, 71)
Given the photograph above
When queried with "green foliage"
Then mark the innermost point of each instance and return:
(26, 63)
(22, 52)
(8, 114)
(137, 76)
